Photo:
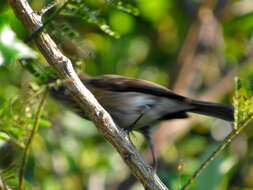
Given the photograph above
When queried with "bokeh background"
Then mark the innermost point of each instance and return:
(194, 47)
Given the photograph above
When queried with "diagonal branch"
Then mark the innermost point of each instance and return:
(104, 123)
(3, 185)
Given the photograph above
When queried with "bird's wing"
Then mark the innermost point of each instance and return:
(125, 84)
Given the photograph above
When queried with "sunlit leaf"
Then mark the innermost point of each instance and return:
(243, 103)
(4, 136)
(11, 47)
(126, 8)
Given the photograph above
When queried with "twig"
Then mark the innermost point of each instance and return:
(40, 29)
(3, 185)
(96, 113)
(48, 7)
(30, 139)
(222, 146)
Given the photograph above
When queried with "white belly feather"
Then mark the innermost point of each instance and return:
(133, 104)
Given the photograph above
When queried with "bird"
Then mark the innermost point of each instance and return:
(139, 105)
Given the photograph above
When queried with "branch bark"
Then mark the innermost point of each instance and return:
(103, 121)
(3, 185)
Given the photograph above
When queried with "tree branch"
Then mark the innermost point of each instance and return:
(104, 123)
(3, 185)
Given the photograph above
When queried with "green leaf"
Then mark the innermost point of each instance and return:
(90, 15)
(42, 123)
(68, 31)
(4, 136)
(241, 22)
(126, 8)
(243, 103)
(45, 123)
(43, 73)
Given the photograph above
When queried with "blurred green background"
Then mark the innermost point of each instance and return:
(194, 47)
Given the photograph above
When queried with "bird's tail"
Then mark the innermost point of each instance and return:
(221, 111)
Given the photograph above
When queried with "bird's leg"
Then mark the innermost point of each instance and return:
(147, 133)
(144, 111)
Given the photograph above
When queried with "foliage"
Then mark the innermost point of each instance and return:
(243, 103)
(80, 9)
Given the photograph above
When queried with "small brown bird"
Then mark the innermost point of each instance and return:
(138, 105)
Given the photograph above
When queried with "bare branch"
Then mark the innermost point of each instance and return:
(104, 123)
(3, 185)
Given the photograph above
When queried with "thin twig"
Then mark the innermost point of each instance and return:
(48, 7)
(30, 139)
(222, 146)
(40, 29)
(3, 184)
